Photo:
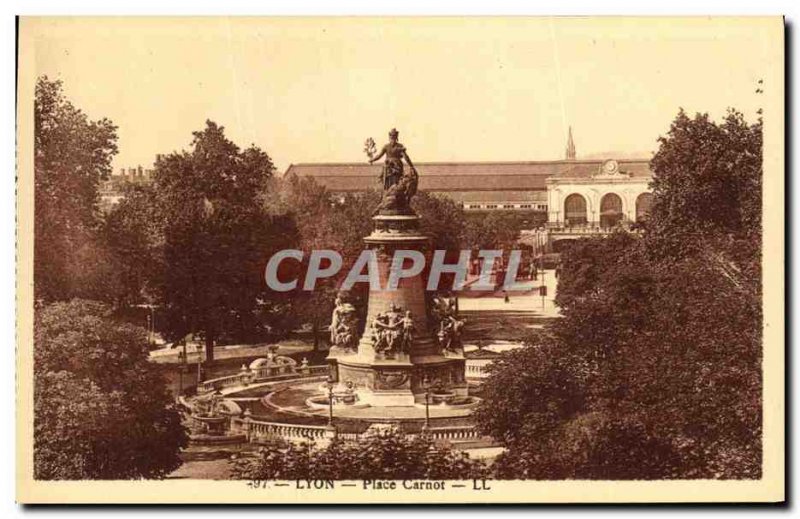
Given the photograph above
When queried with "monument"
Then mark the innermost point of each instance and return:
(408, 348)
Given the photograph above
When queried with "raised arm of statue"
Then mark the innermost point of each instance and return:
(378, 156)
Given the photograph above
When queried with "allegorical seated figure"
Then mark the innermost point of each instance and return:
(398, 185)
(344, 326)
(443, 312)
(450, 334)
(389, 331)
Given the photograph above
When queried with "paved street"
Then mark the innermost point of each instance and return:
(493, 321)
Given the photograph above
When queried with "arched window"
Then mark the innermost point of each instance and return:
(610, 210)
(643, 204)
(574, 210)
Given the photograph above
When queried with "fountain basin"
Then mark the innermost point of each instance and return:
(321, 401)
(213, 425)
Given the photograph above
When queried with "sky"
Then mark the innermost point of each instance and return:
(457, 89)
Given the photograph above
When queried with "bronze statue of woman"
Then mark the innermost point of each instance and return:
(393, 166)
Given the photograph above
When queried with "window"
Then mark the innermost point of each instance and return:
(644, 203)
(575, 210)
(610, 210)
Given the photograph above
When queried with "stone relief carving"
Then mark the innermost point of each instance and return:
(393, 332)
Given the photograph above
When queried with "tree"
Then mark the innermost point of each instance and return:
(442, 219)
(654, 371)
(320, 226)
(659, 365)
(217, 238)
(495, 230)
(133, 234)
(386, 454)
(71, 155)
(101, 409)
(707, 187)
(587, 265)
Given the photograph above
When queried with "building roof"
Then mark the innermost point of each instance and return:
(588, 169)
(463, 176)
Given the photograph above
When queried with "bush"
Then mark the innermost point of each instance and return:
(385, 454)
(101, 410)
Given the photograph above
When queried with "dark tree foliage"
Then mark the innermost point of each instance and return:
(494, 230)
(442, 219)
(101, 410)
(707, 187)
(71, 155)
(325, 221)
(216, 239)
(132, 231)
(654, 371)
(386, 455)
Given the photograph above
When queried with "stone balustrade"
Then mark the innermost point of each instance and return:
(261, 374)
(239, 379)
(256, 430)
(476, 370)
(322, 369)
(460, 432)
(588, 229)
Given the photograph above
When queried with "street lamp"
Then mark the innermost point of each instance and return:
(199, 364)
(181, 369)
(543, 288)
(426, 384)
(329, 383)
(151, 321)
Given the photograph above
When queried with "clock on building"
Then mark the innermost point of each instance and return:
(609, 167)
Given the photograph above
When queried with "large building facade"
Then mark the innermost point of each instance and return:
(494, 186)
(477, 186)
(599, 195)
(595, 198)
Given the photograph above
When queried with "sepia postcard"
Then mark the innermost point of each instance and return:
(400, 260)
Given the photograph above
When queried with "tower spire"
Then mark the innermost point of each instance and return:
(570, 155)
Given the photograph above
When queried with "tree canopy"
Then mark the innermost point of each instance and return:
(203, 234)
(495, 230)
(654, 369)
(101, 410)
(71, 155)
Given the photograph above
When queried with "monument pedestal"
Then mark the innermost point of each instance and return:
(391, 377)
